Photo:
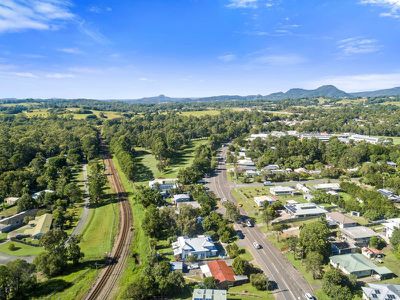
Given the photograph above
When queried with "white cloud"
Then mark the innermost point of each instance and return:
(59, 75)
(243, 4)
(25, 74)
(358, 45)
(359, 82)
(71, 50)
(92, 32)
(278, 59)
(227, 57)
(98, 10)
(18, 15)
(392, 6)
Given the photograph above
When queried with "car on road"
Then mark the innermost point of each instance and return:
(267, 183)
(249, 223)
(240, 234)
(256, 245)
(308, 296)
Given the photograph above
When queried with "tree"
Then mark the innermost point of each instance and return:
(22, 278)
(314, 264)
(233, 250)
(26, 202)
(73, 250)
(337, 285)
(279, 228)
(232, 211)
(395, 239)
(259, 281)
(314, 237)
(97, 182)
(241, 266)
(268, 213)
(210, 283)
(377, 242)
(147, 196)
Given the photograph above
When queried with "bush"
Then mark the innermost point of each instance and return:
(12, 247)
(259, 281)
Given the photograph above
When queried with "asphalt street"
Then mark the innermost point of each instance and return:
(291, 284)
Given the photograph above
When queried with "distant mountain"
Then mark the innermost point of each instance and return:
(379, 93)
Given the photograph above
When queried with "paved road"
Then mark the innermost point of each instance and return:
(5, 258)
(286, 183)
(291, 284)
(85, 212)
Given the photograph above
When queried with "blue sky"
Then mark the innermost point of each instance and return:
(187, 48)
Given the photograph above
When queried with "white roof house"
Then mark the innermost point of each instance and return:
(303, 210)
(375, 291)
(163, 185)
(359, 235)
(200, 246)
(271, 167)
(181, 198)
(302, 188)
(260, 200)
(281, 190)
(327, 187)
(245, 162)
(201, 294)
(340, 219)
(37, 194)
(390, 226)
(11, 200)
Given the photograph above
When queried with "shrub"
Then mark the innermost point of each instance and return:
(12, 247)
(259, 281)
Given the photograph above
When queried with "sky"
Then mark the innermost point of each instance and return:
(126, 49)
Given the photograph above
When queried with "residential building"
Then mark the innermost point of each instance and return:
(340, 247)
(271, 167)
(281, 190)
(15, 221)
(181, 198)
(302, 188)
(201, 247)
(245, 162)
(251, 173)
(340, 220)
(389, 194)
(222, 273)
(327, 187)
(372, 253)
(163, 185)
(177, 266)
(358, 235)
(359, 266)
(304, 210)
(391, 164)
(202, 294)
(390, 226)
(260, 200)
(375, 291)
(11, 200)
(39, 226)
(37, 194)
(193, 204)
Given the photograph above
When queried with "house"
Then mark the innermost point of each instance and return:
(193, 204)
(391, 164)
(281, 190)
(40, 226)
(11, 200)
(245, 162)
(271, 167)
(375, 291)
(359, 266)
(364, 138)
(222, 273)
(15, 221)
(181, 198)
(389, 194)
(304, 210)
(260, 200)
(302, 188)
(163, 185)
(391, 225)
(372, 253)
(202, 294)
(327, 187)
(38, 194)
(201, 247)
(176, 266)
(340, 247)
(251, 173)
(358, 235)
(340, 220)
(308, 197)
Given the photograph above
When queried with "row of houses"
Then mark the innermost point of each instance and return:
(325, 137)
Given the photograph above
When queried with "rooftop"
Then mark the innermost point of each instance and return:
(358, 232)
(221, 271)
(305, 209)
(340, 218)
(282, 189)
(202, 294)
(356, 262)
(382, 291)
(40, 225)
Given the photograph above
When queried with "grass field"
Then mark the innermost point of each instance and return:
(201, 113)
(149, 162)
(22, 249)
(9, 211)
(43, 113)
(248, 292)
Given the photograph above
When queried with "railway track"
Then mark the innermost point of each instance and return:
(108, 277)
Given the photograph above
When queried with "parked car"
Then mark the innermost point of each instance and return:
(193, 266)
(257, 245)
(240, 234)
(267, 183)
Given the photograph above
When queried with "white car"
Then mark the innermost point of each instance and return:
(308, 296)
(257, 245)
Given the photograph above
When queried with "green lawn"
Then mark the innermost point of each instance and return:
(9, 211)
(392, 263)
(248, 292)
(148, 162)
(22, 249)
(201, 113)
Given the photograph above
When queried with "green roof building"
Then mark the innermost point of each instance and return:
(360, 266)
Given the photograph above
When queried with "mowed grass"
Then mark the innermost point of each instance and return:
(248, 292)
(44, 113)
(201, 113)
(140, 243)
(21, 249)
(183, 159)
